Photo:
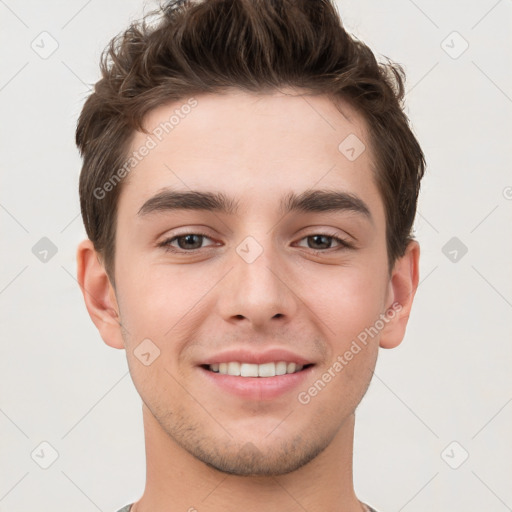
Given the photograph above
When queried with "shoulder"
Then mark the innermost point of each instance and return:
(128, 507)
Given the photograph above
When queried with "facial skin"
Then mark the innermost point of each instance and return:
(310, 295)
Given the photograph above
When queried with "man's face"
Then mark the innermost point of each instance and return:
(256, 282)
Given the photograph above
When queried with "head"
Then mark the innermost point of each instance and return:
(298, 135)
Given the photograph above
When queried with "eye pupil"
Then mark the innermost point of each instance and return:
(316, 237)
(188, 239)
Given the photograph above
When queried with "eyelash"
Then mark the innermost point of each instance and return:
(166, 244)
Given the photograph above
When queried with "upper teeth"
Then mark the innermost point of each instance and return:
(255, 370)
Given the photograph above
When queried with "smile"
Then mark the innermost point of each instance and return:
(271, 369)
(257, 382)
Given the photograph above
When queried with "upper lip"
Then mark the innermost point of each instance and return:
(250, 356)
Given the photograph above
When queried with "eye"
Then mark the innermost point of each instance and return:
(187, 242)
(321, 242)
(190, 242)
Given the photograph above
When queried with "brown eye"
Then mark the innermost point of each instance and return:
(322, 242)
(187, 242)
(190, 241)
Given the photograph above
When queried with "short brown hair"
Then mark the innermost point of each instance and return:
(256, 46)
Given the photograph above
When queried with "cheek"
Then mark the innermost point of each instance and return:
(160, 304)
(351, 301)
(155, 312)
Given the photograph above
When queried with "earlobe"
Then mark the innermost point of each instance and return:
(403, 285)
(99, 295)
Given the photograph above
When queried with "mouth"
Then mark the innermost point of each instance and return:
(265, 370)
(265, 382)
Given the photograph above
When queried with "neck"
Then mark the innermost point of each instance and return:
(175, 480)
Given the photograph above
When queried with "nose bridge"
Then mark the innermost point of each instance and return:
(256, 289)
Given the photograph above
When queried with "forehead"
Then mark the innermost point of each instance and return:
(257, 143)
(229, 118)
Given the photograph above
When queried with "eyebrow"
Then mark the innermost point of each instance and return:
(307, 201)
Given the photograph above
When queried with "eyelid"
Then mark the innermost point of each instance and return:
(166, 243)
(342, 241)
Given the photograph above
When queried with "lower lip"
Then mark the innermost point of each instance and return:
(258, 388)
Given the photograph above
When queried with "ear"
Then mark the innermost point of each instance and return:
(403, 284)
(99, 294)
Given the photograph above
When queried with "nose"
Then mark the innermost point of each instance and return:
(259, 289)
